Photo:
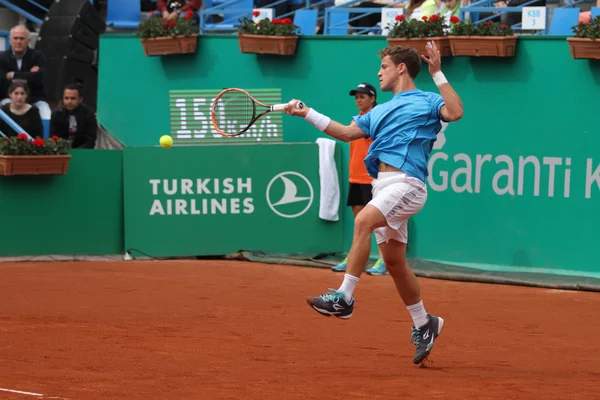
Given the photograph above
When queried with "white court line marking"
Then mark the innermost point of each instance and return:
(20, 392)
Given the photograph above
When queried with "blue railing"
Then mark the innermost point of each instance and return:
(332, 25)
(19, 10)
(17, 128)
(486, 6)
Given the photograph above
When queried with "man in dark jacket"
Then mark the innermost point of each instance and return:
(74, 121)
(24, 63)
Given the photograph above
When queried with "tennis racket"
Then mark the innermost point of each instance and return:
(234, 111)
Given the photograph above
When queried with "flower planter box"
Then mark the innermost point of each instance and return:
(34, 165)
(420, 44)
(162, 46)
(584, 48)
(483, 46)
(262, 44)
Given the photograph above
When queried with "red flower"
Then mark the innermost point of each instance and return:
(424, 18)
(276, 21)
(189, 14)
(23, 136)
(38, 142)
(55, 138)
(173, 22)
(503, 26)
(255, 13)
(488, 23)
(454, 19)
(286, 21)
(399, 17)
(434, 17)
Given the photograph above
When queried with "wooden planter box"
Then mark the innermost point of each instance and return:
(261, 44)
(442, 43)
(483, 46)
(162, 46)
(584, 48)
(34, 165)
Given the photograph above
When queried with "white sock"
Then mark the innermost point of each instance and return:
(348, 286)
(418, 314)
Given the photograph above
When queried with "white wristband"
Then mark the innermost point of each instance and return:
(320, 121)
(439, 78)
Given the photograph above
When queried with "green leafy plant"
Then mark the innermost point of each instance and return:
(276, 27)
(433, 26)
(155, 26)
(21, 145)
(488, 28)
(588, 30)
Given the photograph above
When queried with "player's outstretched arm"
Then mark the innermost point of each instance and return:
(325, 124)
(453, 107)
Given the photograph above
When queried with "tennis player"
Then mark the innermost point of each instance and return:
(360, 189)
(403, 130)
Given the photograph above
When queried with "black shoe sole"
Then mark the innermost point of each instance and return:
(326, 313)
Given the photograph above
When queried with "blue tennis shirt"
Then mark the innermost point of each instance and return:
(403, 130)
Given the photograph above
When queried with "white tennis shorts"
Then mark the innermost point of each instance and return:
(398, 197)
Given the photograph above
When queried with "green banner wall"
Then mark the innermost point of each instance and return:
(210, 200)
(77, 213)
(540, 105)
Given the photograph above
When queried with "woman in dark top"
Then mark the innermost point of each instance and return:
(27, 116)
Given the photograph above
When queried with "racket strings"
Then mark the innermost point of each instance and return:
(233, 112)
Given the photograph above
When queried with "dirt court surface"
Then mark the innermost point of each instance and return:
(237, 330)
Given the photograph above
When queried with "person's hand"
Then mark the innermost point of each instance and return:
(165, 14)
(292, 109)
(35, 68)
(10, 75)
(433, 58)
(173, 15)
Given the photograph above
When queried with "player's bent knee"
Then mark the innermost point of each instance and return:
(367, 222)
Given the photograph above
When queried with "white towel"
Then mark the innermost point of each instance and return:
(330, 186)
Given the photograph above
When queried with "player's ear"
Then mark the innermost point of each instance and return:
(401, 68)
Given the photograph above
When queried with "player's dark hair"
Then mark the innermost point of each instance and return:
(404, 55)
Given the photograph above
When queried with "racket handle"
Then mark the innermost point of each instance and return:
(280, 107)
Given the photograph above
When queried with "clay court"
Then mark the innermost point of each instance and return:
(240, 330)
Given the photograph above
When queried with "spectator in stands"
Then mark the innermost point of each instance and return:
(27, 116)
(585, 16)
(22, 62)
(417, 9)
(512, 18)
(360, 190)
(450, 8)
(74, 121)
(170, 9)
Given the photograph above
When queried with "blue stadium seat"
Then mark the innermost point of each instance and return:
(562, 21)
(123, 14)
(306, 21)
(338, 23)
(232, 11)
(595, 12)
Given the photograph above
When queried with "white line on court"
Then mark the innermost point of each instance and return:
(20, 392)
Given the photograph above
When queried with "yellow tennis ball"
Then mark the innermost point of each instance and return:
(166, 141)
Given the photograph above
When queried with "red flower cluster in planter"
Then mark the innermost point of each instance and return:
(416, 33)
(22, 145)
(21, 155)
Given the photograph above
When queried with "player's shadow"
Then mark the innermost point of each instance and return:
(502, 70)
(297, 65)
(187, 66)
(522, 258)
(594, 66)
